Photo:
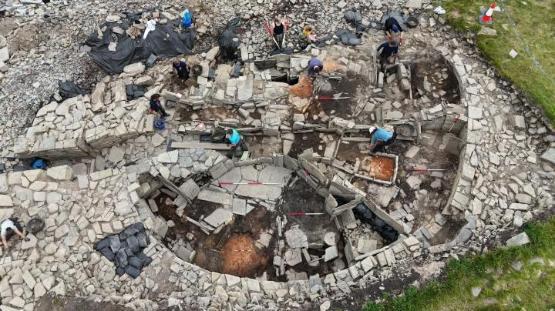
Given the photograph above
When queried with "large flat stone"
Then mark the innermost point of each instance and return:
(219, 217)
(264, 192)
(549, 155)
(274, 174)
(296, 238)
(63, 172)
(190, 189)
(518, 240)
(216, 197)
(6, 201)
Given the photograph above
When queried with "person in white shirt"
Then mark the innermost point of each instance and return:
(8, 228)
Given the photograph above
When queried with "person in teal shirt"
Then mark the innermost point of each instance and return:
(380, 138)
(236, 141)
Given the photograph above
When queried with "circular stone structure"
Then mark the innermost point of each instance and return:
(444, 191)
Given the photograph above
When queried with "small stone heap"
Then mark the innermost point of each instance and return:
(125, 250)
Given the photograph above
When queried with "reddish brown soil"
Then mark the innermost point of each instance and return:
(241, 257)
(303, 88)
(379, 167)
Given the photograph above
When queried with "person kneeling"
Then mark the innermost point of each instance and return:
(380, 138)
(8, 228)
(236, 141)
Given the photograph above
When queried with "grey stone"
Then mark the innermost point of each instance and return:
(549, 155)
(414, 4)
(190, 189)
(523, 198)
(475, 113)
(519, 206)
(518, 240)
(296, 238)
(63, 172)
(330, 253)
(519, 122)
(216, 197)
(219, 217)
(293, 256)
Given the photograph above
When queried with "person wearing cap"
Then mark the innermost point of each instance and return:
(393, 30)
(387, 52)
(315, 66)
(8, 228)
(380, 138)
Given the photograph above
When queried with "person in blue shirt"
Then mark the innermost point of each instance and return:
(234, 138)
(314, 66)
(380, 138)
(388, 53)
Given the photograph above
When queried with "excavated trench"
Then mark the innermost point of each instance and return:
(251, 246)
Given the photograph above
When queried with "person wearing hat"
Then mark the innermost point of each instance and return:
(10, 227)
(393, 30)
(387, 52)
(315, 66)
(380, 138)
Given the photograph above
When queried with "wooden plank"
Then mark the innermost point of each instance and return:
(196, 144)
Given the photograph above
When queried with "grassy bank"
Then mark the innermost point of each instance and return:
(504, 286)
(527, 26)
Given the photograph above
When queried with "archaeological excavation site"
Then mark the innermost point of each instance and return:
(146, 209)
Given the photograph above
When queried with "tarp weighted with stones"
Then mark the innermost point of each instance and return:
(69, 89)
(167, 40)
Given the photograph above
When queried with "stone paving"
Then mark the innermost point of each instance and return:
(504, 178)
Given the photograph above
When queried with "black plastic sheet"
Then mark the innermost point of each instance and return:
(167, 40)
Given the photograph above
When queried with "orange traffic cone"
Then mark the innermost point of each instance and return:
(487, 17)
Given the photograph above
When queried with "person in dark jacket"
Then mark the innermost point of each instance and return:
(393, 30)
(182, 69)
(156, 106)
(388, 53)
(314, 66)
(279, 31)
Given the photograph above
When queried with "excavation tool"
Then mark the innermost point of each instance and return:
(332, 97)
(304, 214)
(425, 169)
(270, 32)
(249, 183)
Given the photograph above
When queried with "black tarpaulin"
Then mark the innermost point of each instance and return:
(167, 40)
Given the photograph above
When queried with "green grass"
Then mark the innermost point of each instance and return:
(503, 287)
(528, 27)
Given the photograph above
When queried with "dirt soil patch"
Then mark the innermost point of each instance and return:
(379, 167)
(220, 251)
(338, 101)
(434, 76)
(350, 151)
(305, 141)
(300, 197)
(208, 114)
(241, 257)
(54, 303)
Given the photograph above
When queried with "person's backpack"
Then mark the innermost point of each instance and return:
(187, 19)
